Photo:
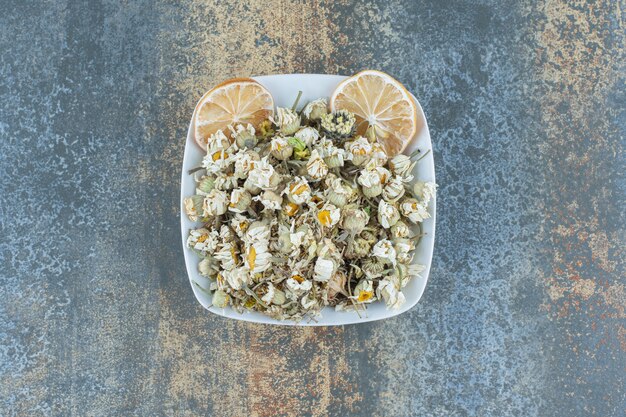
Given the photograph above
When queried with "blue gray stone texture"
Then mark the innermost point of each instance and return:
(524, 314)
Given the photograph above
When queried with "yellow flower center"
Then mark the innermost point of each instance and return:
(298, 278)
(219, 155)
(291, 209)
(365, 296)
(203, 238)
(324, 217)
(298, 189)
(251, 257)
(250, 303)
(243, 226)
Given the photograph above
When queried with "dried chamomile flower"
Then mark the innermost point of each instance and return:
(328, 215)
(203, 240)
(237, 278)
(227, 254)
(371, 182)
(359, 151)
(225, 182)
(218, 140)
(402, 166)
(333, 156)
(204, 185)
(394, 189)
(388, 291)
(354, 221)
(209, 267)
(244, 162)
(388, 214)
(358, 248)
(273, 295)
(244, 136)
(338, 125)
(220, 299)
(215, 203)
(258, 258)
(385, 251)
(324, 269)
(372, 268)
(193, 206)
(308, 135)
(240, 224)
(240, 200)
(263, 175)
(413, 210)
(316, 167)
(424, 191)
(400, 230)
(287, 120)
(404, 249)
(297, 285)
(270, 200)
(364, 292)
(217, 157)
(298, 191)
(280, 148)
(265, 128)
(369, 236)
(315, 109)
(339, 192)
(379, 156)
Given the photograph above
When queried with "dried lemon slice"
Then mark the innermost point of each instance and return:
(378, 100)
(239, 100)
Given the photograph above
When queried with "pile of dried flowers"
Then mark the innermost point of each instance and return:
(301, 214)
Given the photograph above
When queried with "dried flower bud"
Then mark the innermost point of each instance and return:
(372, 268)
(359, 151)
(308, 135)
(358, 248)
(281, 149)
(225, 182)
(203, 241)
(240, 200)
(315, 109)
(388, 290)
(244, 162)
(205, 185)
(316, 167)
(388, 214)
(220, 299)
(263, 176)
(379, 156)
(413, 210)
(287, 120)
(369, 236)
(402, 166)
(297, 144)
(400, 230)
(193, 206)
(270, 200)
(385, 252)
(354, 220)
(209, 267)
(339, 193)
(244, 136)
(215, 203)
(404, 250)
(394, 189)
(338, 125)
(298, 191)
(265, 128)
(424, 191)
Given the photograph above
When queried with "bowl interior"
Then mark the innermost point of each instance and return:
(284, 89)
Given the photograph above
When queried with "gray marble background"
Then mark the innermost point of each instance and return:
(524, 314)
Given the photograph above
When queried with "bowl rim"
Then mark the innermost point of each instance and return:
(350, 316)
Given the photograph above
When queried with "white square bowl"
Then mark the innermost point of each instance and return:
(284, 89)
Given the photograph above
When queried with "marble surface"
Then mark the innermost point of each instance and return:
(524, 314)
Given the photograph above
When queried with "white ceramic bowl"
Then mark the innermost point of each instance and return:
(284, 89)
